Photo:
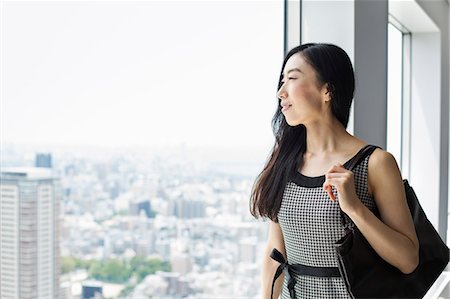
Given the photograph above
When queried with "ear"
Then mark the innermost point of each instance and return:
(329, 90)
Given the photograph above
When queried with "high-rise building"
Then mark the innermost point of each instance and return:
(29, 233)
(136, 206)
(43, 160)
(187, 208)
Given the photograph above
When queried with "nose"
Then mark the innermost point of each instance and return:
(281, 94)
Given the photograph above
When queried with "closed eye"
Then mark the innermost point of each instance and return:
(282, 82)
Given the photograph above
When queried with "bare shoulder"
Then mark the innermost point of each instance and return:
(382, 168)
(381, 157)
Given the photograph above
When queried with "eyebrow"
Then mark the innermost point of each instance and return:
(293, 70)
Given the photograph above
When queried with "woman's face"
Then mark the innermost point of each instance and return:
(301, 97)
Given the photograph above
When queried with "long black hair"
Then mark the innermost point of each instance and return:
(332, 66)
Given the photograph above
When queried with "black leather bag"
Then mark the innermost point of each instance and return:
(367, 275)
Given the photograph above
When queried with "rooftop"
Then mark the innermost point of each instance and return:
(27, 172)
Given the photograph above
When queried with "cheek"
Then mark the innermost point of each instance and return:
(305, 93)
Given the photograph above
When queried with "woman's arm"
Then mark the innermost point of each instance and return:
(269, 265)
(393, 237)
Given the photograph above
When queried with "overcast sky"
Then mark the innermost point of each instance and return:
(144, 73)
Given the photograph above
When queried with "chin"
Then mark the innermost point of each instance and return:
(293, 123)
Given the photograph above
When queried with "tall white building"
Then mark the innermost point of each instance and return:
(29, 234)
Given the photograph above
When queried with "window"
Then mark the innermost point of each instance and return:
(167, 104)
(398, 96)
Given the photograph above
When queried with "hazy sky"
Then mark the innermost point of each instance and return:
(144, 73)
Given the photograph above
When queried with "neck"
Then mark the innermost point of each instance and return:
(325, 136)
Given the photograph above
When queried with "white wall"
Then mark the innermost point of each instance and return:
(425, 124)
(438, 90)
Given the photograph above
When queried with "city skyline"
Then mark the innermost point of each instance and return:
(125, 215)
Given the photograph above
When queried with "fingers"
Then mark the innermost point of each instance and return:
(334, 176)
(337, 168)
(333, 180)
(338, 171)
(327, 187)
(331, 194)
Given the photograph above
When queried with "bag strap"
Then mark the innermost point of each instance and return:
(362, 154)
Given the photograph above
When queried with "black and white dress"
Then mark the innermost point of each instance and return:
(311, 224)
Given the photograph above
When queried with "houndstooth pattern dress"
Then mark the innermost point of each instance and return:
(311, 224)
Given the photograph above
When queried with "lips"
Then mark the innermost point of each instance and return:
(285, 106)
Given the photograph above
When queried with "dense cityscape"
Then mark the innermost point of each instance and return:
(162, 224)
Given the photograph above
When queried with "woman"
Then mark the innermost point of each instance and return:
(304, 182)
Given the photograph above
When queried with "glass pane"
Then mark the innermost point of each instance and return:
(158, 116)
(394, 109)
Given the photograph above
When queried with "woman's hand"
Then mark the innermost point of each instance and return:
(342, 179)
